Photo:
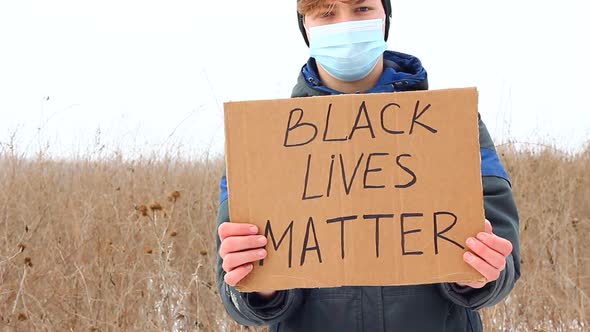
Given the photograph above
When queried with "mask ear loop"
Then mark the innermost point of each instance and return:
(307, 33)
(388, 16)
(303, 28)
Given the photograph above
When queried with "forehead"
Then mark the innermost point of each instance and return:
(312, 7)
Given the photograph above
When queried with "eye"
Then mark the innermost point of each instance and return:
(327, 14)
(363, 9)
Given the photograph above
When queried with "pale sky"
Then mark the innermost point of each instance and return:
(150, 73)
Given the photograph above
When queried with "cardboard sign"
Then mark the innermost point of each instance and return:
(378, 189)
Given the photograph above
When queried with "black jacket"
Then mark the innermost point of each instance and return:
(434, 307)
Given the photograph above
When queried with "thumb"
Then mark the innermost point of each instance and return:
(488, 227)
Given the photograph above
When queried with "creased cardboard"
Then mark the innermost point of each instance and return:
(379, 189)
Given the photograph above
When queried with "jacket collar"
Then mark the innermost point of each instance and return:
(403, 72)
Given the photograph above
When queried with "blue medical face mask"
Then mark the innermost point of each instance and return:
(348, 51)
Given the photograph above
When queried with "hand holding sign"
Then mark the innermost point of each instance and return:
(490, 255)
(240, 247)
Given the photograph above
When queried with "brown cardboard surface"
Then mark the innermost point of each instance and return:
(291, 171)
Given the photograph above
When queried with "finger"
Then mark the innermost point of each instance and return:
(235, 229)
(240, 243)
(488, 271)
(497, 243)
(488, 254)
(236, 275)
(475, 284)
(235, 259)
(488, 227)
(267, 295)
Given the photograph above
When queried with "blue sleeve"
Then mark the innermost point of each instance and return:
(491, 165)
(223, 190)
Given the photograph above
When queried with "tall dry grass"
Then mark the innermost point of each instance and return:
(105, 244)
(552, 192)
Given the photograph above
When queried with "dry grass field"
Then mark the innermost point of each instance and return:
(108, 244)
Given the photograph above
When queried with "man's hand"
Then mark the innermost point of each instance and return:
(488, 255)
(241, 246)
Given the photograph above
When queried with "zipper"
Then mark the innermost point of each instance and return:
(404, 83)
(312, 81)
(469, 320)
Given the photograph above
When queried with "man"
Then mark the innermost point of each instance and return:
(348, 55)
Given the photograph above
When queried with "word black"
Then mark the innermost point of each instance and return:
(310, 130)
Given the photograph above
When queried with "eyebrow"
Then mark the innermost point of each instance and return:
(353, 2)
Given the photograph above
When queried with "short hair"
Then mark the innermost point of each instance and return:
(315, 7)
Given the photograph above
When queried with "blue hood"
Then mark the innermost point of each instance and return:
(403, 72)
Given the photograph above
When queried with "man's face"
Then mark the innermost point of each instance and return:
(344, 11)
